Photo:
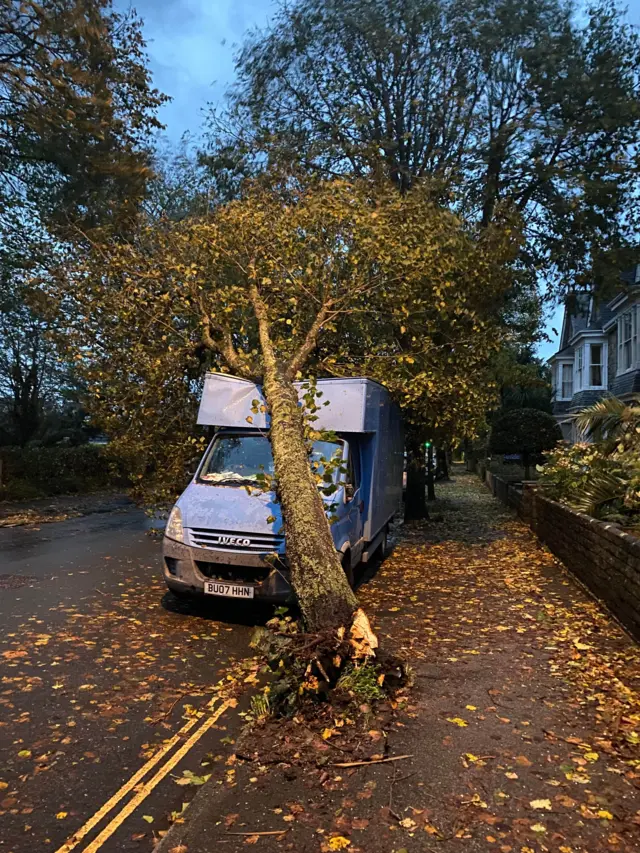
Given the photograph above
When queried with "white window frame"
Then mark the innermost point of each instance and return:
(578, 373)
(603, 366)
(632, 314)
(559, 368)
(563, 365)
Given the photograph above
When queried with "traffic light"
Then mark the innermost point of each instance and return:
(427, 444)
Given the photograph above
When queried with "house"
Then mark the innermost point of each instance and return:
(599, 352)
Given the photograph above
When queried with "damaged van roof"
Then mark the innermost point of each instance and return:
(345, 404)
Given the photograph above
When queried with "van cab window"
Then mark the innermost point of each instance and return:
(239, 459)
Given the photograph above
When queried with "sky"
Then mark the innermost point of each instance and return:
(191, 46)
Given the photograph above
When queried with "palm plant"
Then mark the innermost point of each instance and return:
(610, 420)
(614, 427)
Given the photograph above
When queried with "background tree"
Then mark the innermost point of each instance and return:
(76, 112)
(527, 432)
(260, 287)
(497, 100)
(76, 109)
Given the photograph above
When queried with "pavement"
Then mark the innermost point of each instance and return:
(100, 669)
(521, 733)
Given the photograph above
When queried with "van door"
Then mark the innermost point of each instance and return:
(354, 502)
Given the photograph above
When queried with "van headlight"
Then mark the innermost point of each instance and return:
(174, 528)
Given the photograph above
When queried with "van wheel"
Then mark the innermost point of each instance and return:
(348, 568)
(383, 550)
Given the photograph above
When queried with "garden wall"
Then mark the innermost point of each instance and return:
(602, 556)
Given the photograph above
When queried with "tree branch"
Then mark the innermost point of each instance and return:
(300, 357)
(224, 346)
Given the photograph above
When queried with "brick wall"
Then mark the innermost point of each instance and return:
(603, 557)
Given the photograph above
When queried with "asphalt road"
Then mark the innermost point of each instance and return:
(98, 668)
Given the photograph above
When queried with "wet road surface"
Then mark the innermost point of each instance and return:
(100, 667)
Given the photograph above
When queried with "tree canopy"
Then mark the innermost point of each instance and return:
(76, 108)
(76, 112)
(496, 100)
(527, 432)
(355, 278)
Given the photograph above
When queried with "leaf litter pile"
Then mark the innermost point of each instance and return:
(520, 732)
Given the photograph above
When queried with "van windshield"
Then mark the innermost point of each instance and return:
(240, 459)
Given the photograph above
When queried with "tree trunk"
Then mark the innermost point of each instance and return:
(318, 579)
(431, 492)
(317, 576)
(415, 506)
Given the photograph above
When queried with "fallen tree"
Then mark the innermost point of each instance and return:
(322, 277)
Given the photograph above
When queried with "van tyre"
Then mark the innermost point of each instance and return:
(348, 568)
(384, 545)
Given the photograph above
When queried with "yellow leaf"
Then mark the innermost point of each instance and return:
(326, 734)
(24, 753)
(457, 721)
(61, 815)
(541, 804)
(605, 815)
(591, 756)
(4, 786)
(147, 817)
(581, 646)
(471, 707)
(339, 842)
(538, 827)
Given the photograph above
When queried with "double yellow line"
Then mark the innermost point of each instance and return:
(142, 790)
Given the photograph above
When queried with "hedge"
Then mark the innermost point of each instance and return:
(30, 472)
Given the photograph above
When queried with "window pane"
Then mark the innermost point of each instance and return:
(567, 381)
(596, 374)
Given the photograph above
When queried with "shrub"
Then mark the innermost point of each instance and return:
(29, 472)
(528, 432)
(601, 478)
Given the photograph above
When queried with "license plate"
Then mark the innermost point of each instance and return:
(229, 590)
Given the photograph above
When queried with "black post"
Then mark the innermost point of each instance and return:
(415, 505)
(431, 492)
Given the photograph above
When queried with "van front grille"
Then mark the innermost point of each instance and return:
(236, 574)
(226, 540)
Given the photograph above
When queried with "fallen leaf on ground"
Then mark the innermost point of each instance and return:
(541, 804)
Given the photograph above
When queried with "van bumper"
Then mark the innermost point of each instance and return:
(186, 569)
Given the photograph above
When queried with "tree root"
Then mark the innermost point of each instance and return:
(336, 665)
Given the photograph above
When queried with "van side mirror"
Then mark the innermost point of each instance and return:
(349, 491)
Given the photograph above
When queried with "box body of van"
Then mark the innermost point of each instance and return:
(225, 536)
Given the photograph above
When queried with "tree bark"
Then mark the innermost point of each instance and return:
(415, 506)
(318, 579)
(431, 492)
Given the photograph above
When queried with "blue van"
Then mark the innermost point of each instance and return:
(224, 536)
